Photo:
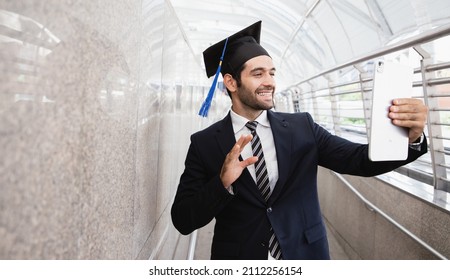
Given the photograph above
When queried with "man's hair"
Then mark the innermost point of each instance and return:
(237, 77)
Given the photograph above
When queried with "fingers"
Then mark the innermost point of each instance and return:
(408, 105)
(232, 167)
(410, 113)
(237, 150)
(240, 144)
(244, 140)
(403, 101)
(249, 161)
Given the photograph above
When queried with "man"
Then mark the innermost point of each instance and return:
(221, 179)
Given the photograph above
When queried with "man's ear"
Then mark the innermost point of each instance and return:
(230, 82)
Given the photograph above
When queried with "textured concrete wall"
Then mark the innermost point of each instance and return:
(94, 129)
(364, 234)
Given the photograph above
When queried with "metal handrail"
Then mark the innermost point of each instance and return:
(388, 218)
(424, 37)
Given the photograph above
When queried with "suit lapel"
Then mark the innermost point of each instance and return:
(225, 135)
(282, 138)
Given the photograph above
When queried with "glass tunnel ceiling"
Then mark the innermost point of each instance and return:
(305, 37)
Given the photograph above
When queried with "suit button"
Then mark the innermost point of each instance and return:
(269, 210)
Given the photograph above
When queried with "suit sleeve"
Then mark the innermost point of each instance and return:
(200, 194)
(346, 157)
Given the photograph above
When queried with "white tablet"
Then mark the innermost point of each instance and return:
(386, 140)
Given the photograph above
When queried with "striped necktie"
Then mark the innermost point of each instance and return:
(262, 181)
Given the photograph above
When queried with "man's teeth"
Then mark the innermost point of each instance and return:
(264, 93)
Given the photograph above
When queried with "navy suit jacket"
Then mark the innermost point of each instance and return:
(243, 220)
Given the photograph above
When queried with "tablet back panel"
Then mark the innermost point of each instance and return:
(387, 141)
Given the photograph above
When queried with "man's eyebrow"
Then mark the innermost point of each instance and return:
(262, 69)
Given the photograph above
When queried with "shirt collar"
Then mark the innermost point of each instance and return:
(239, 121)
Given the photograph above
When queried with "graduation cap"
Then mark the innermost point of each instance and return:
(228, 56)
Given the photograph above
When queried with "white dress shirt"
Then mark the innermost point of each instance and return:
(265, 135)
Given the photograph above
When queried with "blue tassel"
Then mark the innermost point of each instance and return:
(207, 103)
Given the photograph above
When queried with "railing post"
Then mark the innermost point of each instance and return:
(192, 245)
(314, 101)
(434, 129)
(334, 99)
(365, 80)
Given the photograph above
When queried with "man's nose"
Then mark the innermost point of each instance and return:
(269, 80)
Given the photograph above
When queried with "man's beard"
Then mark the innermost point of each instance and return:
(249, 98)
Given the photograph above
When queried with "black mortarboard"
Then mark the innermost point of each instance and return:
(228, 55)
(241, 47)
